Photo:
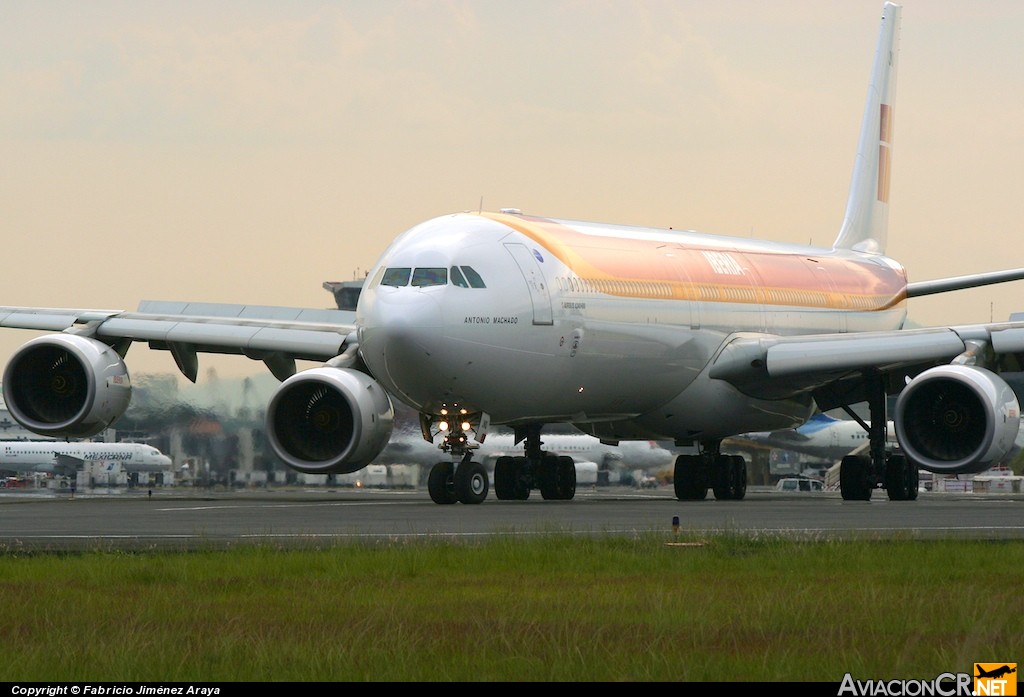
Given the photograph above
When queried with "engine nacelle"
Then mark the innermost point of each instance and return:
(329, 420)
(956, 419)
(66, 386)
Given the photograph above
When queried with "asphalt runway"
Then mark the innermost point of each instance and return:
(195, 519)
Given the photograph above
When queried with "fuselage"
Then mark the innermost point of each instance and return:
(542, 320)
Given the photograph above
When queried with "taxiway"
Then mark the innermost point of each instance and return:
(192, 519)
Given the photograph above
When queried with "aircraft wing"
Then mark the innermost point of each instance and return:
(276, 335)
(789, 435)
(68, 462)
(770, 366)
(944, 285)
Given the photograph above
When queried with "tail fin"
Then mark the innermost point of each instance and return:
(866, 224)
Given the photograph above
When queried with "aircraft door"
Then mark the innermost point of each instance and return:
(529, 265)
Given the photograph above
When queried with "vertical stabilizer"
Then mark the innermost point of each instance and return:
(866, 224)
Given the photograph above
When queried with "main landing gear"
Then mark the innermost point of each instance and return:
(860, 475)
(725, 474)
(554, 475)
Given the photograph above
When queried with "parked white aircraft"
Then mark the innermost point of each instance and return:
(829, 440)
(587, 452)
(62, 457)
(645, 455)
(630, 333)
(822, 437)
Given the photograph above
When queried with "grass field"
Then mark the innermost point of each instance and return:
(554, 608)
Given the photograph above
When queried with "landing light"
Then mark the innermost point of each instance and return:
(466, 425)
(442, 426)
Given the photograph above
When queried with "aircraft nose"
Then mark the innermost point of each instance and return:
(401, 328)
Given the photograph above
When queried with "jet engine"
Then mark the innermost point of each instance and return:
(329, 420)
(66, 386)
(956, 419)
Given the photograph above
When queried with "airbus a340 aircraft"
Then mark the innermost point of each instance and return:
(629, 333)
(66, 458)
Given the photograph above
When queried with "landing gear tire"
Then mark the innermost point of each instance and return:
(557, 477)
(738, 470)
(471, 483)
(566, 476)
(441, 483)
(689, 478)
(522, 478)
(730, 476)
(856, 481)
(901, 478)
(741, 477)
(505, 478)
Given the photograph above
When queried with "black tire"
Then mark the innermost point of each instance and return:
(505, 478)
(915, 481)
(855, 478)
(566, 476)
(522, 478)
(730, 477)
(689, 479)
(548, 475)
(739, 477)
(441, 483)
(722, 478)
(471, 483)
(901, 478)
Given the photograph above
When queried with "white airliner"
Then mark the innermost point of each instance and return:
(630, 333)
(586, 454)
(645, 455)
(828, 440)
(61, 457)
(822, 438)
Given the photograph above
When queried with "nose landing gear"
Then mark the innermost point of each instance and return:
(466, 481)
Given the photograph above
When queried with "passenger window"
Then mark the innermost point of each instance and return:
(457, 278)
(396, 276)
(429, 276)
(473, 277)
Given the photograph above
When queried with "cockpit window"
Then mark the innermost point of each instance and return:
(473, 277)
(426, 276)
(457, 278)
(429, 276)
(396, 276)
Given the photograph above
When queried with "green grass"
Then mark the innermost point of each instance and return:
(553, 608)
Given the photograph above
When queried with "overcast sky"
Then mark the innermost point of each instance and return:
(250, 151)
